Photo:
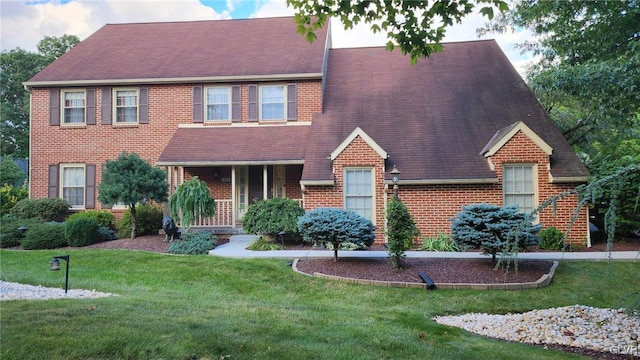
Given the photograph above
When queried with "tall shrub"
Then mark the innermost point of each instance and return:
(103, 217)
(45, 209)
(81, 231)
(493, 229)
(192, 200)
(402, 231)
(272, 216)
(149, 220)
(335, 226)
(44, 236)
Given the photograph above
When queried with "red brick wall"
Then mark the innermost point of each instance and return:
(169, 106)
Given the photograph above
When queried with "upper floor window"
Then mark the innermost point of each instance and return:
(519, 186)
(272, 102)
(217, 103)
(72, 183)
(126, 106)
(358, 191)
(73, 107)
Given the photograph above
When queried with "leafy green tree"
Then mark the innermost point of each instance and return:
(16, 67)
(130, 180)
(416, 27)
(10, 173)
(335, 226)
(192, 200)
(401, 232)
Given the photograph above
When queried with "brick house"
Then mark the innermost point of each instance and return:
(257, 112)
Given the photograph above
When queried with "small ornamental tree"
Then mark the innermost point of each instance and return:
(192, 200)
(272, 216)
(401, 232)
(493, 229)
(131, 180)
(335, 226)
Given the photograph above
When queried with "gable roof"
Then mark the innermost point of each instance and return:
(363, 135)
(217, 50)
(502, 136)
(432, 118)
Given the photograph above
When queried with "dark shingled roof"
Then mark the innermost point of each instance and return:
(236, 145)
(433, 118)
(194, 49)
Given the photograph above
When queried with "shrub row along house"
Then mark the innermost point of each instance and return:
(253, 109)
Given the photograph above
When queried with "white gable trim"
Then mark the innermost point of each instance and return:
(349, 139)
(519, 126)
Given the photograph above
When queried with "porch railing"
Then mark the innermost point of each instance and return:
(223, 216)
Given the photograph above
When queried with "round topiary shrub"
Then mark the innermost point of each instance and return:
(194, 243)
(81, 231)
(272, 216)
(44, 236)
(149, 220)
(551, 239)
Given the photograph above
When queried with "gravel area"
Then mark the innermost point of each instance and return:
(15, 291)
(600, 333)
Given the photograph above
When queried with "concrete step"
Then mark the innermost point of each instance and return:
(243, 238)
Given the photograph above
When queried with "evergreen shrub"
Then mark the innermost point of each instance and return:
(551, 239)
(103, 217)
(82, 231)
(10, 236)
(149, 220)
(272, 216)
(194, 243)
(48, 235)
(45, 209)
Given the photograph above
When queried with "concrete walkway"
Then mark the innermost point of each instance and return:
(236, 248)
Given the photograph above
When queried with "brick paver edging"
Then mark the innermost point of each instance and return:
(542, 282)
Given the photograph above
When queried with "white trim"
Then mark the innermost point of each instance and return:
(372, 171)
(567, 179)
(63, 108)
(251, 124)
(205, 104)
(114, 106)
(227, 163)
(84, 183)
(28, 85)
(445, 181)
(284, 101)
(534, 184)
(519, 126)
(349, 139)
(316, 182)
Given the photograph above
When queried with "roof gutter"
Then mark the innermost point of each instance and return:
(28, 85)
(188, 163)
(445, 181)
(569, 179)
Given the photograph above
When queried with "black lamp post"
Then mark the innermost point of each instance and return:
(54, 265)
(395, 178)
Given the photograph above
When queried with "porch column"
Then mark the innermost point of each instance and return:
(233, 197)
(265, 182)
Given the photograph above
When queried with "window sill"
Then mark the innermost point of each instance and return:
(217, 123)
(272, 122)
(73, 126)
(125, 125)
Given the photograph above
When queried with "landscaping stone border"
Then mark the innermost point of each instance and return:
(544, 280)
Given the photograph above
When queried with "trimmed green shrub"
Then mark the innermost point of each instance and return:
(323, 226)
(401, 232)
(103, 217)
(149, 220)
(272, 216)
(263, 244)
(81, 231)
(106, 234)
(48, 235)
(440, 243)
(493, 229)
(194, 243)
(10, 236)
(551, 239)
(45, 209)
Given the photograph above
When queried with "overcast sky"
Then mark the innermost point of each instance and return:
(24, 23)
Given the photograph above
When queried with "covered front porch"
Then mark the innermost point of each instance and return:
(235, 187)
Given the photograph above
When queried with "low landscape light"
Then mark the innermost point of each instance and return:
(54, 265)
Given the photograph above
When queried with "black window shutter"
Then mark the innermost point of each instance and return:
(197, 104)
(143, 106)
(91, 106)
(54, 107)
(292, 102)
(53, 181)
(253, 102)
(90, 186)
(235, 103)
(106, 106)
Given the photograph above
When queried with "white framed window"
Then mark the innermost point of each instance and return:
(358, 191)
(519, 186)
(273, 100)
(217, 103)
(73, 107)
(72, 184)
(125, 106)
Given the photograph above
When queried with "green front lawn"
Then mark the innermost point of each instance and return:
(205, 307)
